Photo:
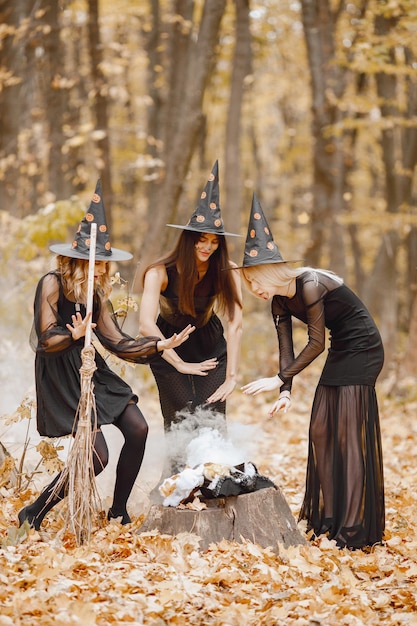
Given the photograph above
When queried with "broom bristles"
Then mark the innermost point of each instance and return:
(78, 476)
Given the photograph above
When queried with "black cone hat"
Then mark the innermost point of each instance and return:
(260, 247)
(80, 247)
(207, 216)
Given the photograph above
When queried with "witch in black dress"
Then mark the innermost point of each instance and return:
(188, 286)
(344, 495)
(60, 324)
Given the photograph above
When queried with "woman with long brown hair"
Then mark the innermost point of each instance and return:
(188, 286)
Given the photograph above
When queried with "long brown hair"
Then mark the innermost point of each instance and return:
(183, 257)
(74, 274)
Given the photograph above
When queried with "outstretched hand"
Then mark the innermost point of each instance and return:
(269, 384)
(222, 392)
(176, 339)
(78, 328)
(283, 402)
(196, 369)
(263, 384)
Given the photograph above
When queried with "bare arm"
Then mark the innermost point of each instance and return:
(156, 280)
(139, 350)
(234, 338)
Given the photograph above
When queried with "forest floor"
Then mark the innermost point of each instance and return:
(125, 577)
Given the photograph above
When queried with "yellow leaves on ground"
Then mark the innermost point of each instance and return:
(49, 454)
(123, 577)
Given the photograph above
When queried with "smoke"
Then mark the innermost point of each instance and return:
(16, 372)
(18, 434)
(211, 447)
(201, 440)
(203, 436)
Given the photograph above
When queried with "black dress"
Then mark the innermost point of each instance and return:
(58, 360)
(178, 391)
(344, 484)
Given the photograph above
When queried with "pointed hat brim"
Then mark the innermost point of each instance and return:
(65, 249)
(212, 231)
(260, 262)
(79, 248)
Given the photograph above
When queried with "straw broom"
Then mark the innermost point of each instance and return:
(78, 473)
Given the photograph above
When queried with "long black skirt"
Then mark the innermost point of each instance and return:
(344, 495)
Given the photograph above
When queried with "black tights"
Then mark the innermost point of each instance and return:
(134, 428)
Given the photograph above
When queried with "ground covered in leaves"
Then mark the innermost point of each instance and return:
(124, 577)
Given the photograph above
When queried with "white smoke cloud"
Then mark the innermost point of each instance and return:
(203, 436)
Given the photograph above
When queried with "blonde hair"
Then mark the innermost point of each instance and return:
(74, 274)
(281, 274)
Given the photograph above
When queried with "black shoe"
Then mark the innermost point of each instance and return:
(25, 516)
(124, 515)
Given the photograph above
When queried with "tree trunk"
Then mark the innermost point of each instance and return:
(410, 159)
(103, 156)
(397, 151)
(75, 155)
(328, 176)
(262, 517)
(11, 104)
(185, 121)
(56, 99)
(241, 68)
(180, 44)
(331, 151)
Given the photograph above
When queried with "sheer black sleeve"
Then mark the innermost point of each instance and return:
(110, 335)
(49, 334)
(308, 307)
(283, 325)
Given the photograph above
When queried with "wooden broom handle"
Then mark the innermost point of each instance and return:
(90, 289)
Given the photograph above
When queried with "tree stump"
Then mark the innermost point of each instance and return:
(262, 517)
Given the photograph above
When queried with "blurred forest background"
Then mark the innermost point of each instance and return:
(310, 103)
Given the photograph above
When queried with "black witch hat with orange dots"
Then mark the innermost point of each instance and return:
(207, 216)
(260, 247)
(80, 247)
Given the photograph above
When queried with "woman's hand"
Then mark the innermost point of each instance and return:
(283, 402)
(223, 391)
(176, 339)
(196, 369)
(79, 325)
(263, 384)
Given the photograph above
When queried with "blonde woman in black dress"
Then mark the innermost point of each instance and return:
(60, 324)
(344, 495)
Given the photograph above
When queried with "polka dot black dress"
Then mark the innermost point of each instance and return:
(179, 391)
